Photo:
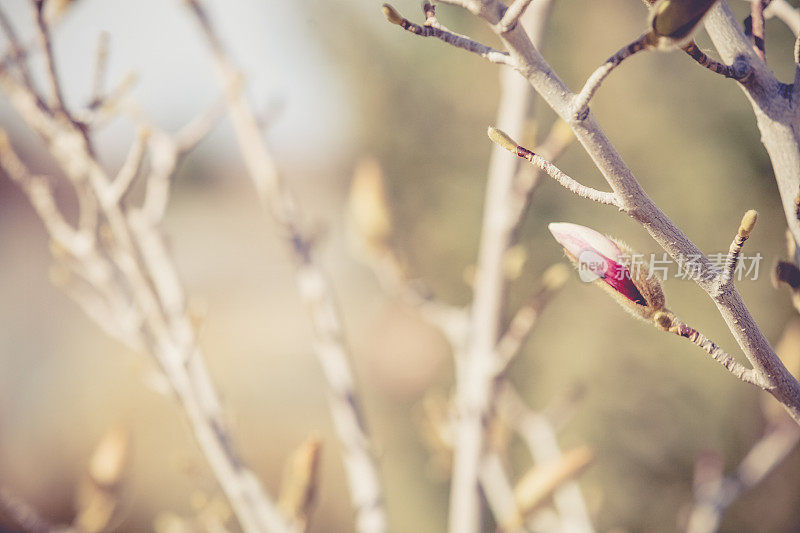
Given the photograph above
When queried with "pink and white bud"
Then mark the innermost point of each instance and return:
(608, 262)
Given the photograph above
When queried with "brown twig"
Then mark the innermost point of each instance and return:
(454, 39)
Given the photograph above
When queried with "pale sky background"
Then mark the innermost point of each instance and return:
(273, 43)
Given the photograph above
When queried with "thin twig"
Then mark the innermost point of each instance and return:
(454, 39)
(673, 324)
(591, 86)
(57, 103)
(130, 168)
(525, 318)
(127, 267)
(757, 26)
(349, 421)
(729, 71)
(606, 198)
(540, 439)
(17, 56)
(100, 67)
(512, 15)
(713, 496)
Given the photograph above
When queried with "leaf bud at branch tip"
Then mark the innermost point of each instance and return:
(748, 223)
(392, 15)
(503, 139)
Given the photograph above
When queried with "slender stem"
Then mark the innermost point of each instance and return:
(714, 496)
(453, 39)
(674, 325)
(757, 26)
(596, 79)
(512, 15)
(504, 140)
(343, 398)
(729, 71)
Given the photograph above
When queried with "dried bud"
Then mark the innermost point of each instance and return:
(608, 262)
(514, 261)
(300, 480)
(672, 22)
(392, 15)
(748, 223)
(110, 457)
(368, 206)
(538, 485)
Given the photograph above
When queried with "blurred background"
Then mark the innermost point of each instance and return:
(338, 83)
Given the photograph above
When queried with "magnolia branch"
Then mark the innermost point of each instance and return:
(635, 202)
(129, 273)
(504, 140)
(715, 492)
(453, 39)
(348, 418)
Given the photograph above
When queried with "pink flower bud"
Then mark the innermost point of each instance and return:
(608, 262)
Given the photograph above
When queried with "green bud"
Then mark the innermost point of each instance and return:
(503, 139)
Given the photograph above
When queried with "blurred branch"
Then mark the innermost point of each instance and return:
(26, 516)
(539, 436)
(715, 492)
(476, 382)
(100, 67)
(542, 481)
(784, 11)
(130, 280)
(522, 324)
(98, 493)
(757, 29)
(349, 421)
(300, 482)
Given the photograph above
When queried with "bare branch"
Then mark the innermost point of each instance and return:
(783, 10)
(739, 71)
(130, 168)
(100, 67)
(512, 15)
(349, 421)
(454, 39)
(524, 320)
(18, 56)
(57, 103)
(596, 79)
(714, 495)
(168, 337)
(25, 515)
(540, 438)
(607, 198)
(669, 322)
(757, 26)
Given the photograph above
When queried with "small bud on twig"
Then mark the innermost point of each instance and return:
(300, 481)
(538, 485)
(392, 15)
(748, 223)
(502, 138)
